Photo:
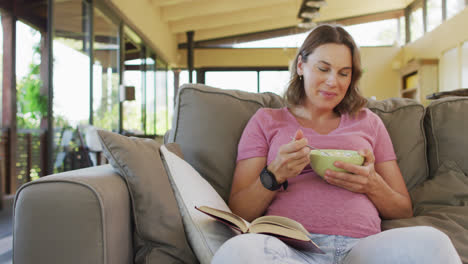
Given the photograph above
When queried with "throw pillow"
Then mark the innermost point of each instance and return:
(448, 187)
(205, 235)
(159, 233)
(442, 203)
(446, 128)
(403, 119)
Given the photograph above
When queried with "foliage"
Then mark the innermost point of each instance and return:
(31, 104)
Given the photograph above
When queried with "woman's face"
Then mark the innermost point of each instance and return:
(326, 75)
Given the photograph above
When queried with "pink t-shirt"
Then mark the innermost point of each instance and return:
(321, 207)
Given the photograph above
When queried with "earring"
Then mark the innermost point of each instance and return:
(300, 77)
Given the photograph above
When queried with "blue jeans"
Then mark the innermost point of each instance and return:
(409, 245)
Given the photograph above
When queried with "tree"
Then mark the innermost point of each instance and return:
(31, 104)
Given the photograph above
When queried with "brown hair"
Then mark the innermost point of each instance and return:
(324, 34)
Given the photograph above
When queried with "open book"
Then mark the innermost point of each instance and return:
(289, 231)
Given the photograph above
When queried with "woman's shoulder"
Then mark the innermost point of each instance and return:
(270, 112)
(365, 114)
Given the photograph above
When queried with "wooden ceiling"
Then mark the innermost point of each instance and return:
(214, 19)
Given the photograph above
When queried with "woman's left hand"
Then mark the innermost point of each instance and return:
(360, 179)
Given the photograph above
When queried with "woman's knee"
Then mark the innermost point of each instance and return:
(420, 244)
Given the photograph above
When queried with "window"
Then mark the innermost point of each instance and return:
(105, 72)
(184, 78)
(377, 33)
(401, 30)
(71, 64)
(240, 80)
(1, 69)
(133, 75)
(290, 41)
(132, 114)
(150, 95)
(161, 98)
(416, 23)
(28, 80)
(454, 7)
(170, 98)
(274, 81)
(434, 14)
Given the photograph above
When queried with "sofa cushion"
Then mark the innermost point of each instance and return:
(208, 123)
(159, 234)
(205, 235)
(447, 130)
(441, 202)
(403, 119)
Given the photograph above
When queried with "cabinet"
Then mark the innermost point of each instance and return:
(419, 78)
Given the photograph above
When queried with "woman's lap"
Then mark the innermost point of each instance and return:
(401, 245)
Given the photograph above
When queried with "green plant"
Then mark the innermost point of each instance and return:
(31, 104)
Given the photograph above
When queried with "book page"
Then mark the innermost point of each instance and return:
(281, 221)
(230, 217)
(292, 237)
(268, 228)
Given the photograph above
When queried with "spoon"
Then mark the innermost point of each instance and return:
(321, 151)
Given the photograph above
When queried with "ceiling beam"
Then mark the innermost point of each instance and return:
(338, 9)
(169, 2)
(244, 17)
(230, 40)
(220, 7)
(239, 29)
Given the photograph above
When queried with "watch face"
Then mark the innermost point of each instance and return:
(268, 180)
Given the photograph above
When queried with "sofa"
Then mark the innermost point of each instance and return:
(140, 208)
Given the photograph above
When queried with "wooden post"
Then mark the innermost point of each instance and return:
(45, 91)
(29, 156)
(9, 96)
(176, 84)
(190, 46)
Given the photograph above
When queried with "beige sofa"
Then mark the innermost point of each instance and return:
(126, 213)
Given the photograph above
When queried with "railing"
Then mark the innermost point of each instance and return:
(3, 160)
(69, 153)
(30, 163)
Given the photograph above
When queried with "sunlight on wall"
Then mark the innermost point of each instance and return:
(448, 70)
(464, 81)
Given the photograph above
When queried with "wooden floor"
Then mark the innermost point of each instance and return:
(6, 231)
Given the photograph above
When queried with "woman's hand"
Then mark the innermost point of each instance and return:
(360, 179)
(382, 183)
(291, 158)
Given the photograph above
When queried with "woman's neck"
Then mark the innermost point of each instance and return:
(310, 114)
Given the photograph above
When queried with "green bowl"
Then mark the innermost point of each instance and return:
(320, 161)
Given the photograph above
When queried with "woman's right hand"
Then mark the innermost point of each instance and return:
(291, 158)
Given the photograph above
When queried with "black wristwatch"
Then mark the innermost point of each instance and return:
(268, 180)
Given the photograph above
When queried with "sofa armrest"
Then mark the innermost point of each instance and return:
(80, 216)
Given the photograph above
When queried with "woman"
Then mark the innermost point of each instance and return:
(344, 211)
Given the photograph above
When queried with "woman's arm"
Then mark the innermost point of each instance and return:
(382, 183)
(249, 198)
(393, 201)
